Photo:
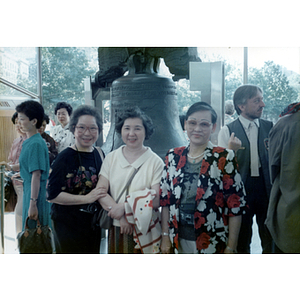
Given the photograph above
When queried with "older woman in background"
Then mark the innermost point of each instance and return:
(61, 133)
(134, 126)
(72, 186)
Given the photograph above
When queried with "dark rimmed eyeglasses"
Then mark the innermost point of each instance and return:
(204, 125)
(82, 129)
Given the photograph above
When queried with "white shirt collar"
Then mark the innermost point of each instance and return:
(124, 163)
(245, 122)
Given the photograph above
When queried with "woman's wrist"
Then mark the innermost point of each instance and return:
(231, 249)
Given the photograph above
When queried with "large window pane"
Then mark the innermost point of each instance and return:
(18, 65)
(233, 58)
(63, 72)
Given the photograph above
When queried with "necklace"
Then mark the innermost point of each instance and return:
(195, 157)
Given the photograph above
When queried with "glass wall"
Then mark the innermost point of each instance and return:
(63, 72)
(276, 70)
(18, 66)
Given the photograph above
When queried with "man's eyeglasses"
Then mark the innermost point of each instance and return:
(204, 125)
(82, 129)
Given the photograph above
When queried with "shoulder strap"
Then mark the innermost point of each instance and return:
(128, 183)
(100, 152)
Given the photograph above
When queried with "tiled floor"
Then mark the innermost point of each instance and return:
(10, 243)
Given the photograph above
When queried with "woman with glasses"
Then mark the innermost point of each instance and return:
(72, 186)
(201, 192)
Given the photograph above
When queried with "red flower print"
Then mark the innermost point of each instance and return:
(94, 178)
(179, 150)
(233, 201)
(225, 219)
(203, 241)
(218, 149)
(199, 220)
(221, 163)
(164, 202)
(200, 193)
(181, 163)
(166, 160)
(150, 204)
(227, 182)
(219, 199)
(204, 167)
(176, 241)
(175, 224)
(77, 179)
(175, 180)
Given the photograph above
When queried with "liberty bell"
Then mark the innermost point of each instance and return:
(156, 96)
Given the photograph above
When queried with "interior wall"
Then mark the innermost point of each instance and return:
(8, 133)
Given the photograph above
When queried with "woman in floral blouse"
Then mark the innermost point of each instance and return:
(201, 192)
(72, 187)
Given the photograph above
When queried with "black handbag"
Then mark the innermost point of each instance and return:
(104, 220)
(36, 240)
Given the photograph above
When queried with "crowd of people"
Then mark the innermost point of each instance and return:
(200, 199)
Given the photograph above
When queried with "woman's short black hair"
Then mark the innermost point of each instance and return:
(182, 119)
(65, 105)
(46, 118)
(33, 110)
(135, 112)
(85, 110)
(14, 116)
(200, 106)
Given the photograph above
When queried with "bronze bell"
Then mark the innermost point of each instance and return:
(156, 96)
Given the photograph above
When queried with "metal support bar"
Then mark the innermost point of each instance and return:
(2, 167)
(245, 77)
(39, 74)
(18, 88)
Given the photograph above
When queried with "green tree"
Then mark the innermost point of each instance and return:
(63, 72)
(277, 91)
(233, 79)
(185, 97)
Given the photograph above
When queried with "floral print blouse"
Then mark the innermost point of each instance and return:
(220, 195)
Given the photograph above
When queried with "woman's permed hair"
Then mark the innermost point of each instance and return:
(200, 106)
(135, 112)
(65, 105)
(85, 110)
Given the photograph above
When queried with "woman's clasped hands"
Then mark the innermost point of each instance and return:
(118, 212)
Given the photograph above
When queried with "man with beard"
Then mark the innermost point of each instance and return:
(248, 136)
